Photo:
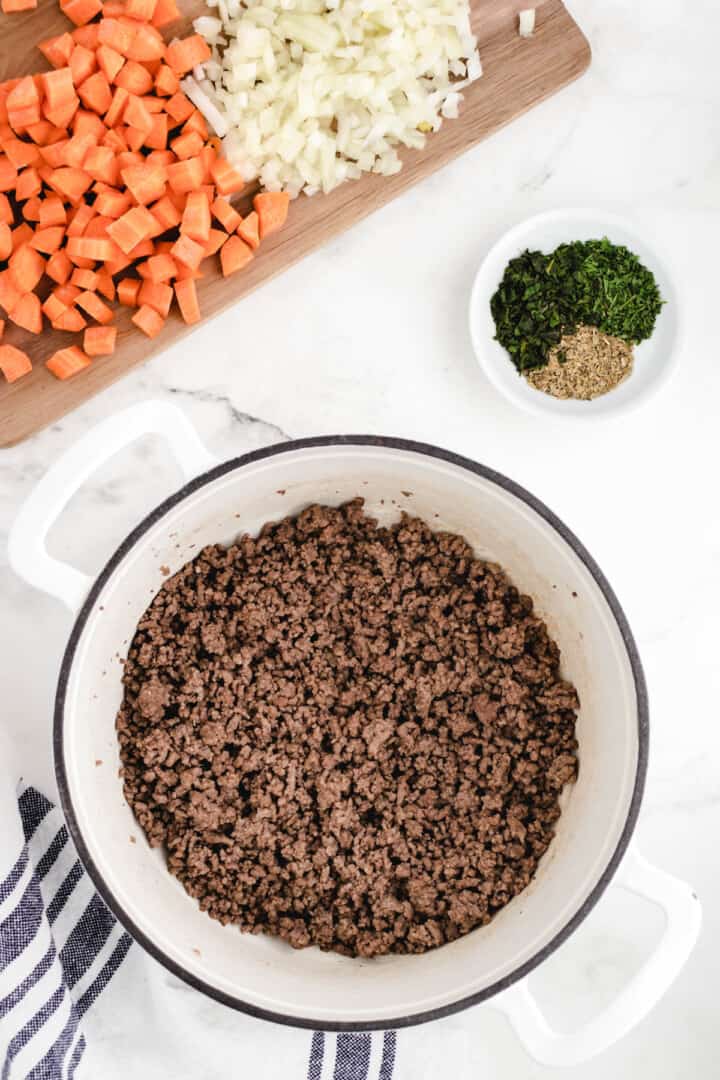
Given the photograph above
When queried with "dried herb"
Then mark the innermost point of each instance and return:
(585, 365)
(588, 282)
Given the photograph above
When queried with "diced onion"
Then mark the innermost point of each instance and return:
(202, 102)
(310, 93)
(526, 22)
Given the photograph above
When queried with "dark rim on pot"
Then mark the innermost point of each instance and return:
(425, 450)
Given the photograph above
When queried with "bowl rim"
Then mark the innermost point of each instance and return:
(370, 441)
(535, 405)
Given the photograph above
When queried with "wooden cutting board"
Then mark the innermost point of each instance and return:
(518, 73)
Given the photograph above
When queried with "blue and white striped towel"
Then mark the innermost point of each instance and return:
(79, 999)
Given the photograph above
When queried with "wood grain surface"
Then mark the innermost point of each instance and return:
(517, 74)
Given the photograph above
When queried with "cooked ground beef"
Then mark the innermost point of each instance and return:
(345, 735)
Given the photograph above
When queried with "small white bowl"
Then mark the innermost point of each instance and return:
(654, 358)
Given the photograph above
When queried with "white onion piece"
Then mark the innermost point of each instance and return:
(314, 92)
(526, 22)
(201, 101)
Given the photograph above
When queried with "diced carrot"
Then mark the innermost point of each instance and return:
(119, 101)
(26, 266)
(52, 211)
(166, 11)
(71, 182)
(118, 36)
(147, 46)
(141, 250)
(186, 295)
(126, 158)
(109, 61)
(161, 157)
(225, 178)
(6, 214)
(101, 164)
(106, 285)
(95, 93)
(132, 228)
(100, 340)
(166, 81)
(53, 307)
(82, 64)
(87, 35)
(118, 263)
(62, 116)
(14, 363)
(113, 9)
(156, 295)
(79, 218)
(89, 123)
(24, 95)
(166, 213)
(9, 292)
(48, 240)
(146, 183)
(134, 137)
(5, 241)
(67, 362)
(161, 268)
(148, 320)
(76, 150)
(186, 175)
(136, 114)
(96, 308)
(115, 140)
(187, 145)
(153, 104)
(90, 247)
(208, 155)
(71, 320)
(184, 55)
(188, 252)
(31, 209)
(8, 174)
(84, 279)
(67, 294)
(186, 273)
(97, 227)
(21, 235)
(157, 136)
(179, 107)
(234, 255)
(143, 10)
(81, 12)
(249, 230)
(215, 241)
(28, 184)
(54, 154)
(21, 153)
(196, 217)
(135, 78)
(11, 7)
(27, 313)
(272, 210)
(41, 132)
(57, 50)
(196, 122)
(58, 87)
(226, 214)
(128, 290)
(59, 267)
(113, 204)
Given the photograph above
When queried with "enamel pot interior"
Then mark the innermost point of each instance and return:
(503, 523)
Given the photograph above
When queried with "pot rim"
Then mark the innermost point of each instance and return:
(427, 450)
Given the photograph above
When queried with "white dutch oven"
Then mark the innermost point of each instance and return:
(309, 988)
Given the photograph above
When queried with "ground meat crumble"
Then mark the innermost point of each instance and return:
(344, 735)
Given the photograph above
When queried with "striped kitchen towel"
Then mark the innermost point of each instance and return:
(78, 999)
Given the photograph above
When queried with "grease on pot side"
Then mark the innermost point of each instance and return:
(346, 735)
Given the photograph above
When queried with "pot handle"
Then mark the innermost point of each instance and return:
(27, 553)
(682, 926)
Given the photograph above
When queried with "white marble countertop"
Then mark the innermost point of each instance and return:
(373, 337)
